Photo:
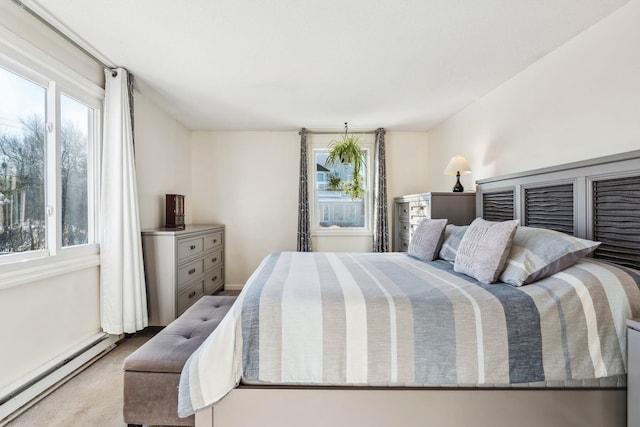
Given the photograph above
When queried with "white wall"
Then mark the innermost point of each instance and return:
(579, 102)
(248, 181)
(41, 320)
(163, 161)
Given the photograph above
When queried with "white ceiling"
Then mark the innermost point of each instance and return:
(285, 64)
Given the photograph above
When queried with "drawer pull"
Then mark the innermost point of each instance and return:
(405, 227)
(192, 247)
(215, 240)
(214, 278)
(214, 259)
(193, 270)
(192, 294)
(405, 210)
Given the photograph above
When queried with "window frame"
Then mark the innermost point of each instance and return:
(321, 142)
(21, 58)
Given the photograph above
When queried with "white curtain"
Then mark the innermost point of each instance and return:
(122, 286)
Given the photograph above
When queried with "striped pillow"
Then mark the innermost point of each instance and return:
(451, 241)
(537, 253)
(425, 242)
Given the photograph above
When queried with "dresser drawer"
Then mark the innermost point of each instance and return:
(405, 228)
(213, 280)
(213, 240)
(190, 295)
(212, 259)
(403, 211)
(190, 271)
(189, 247)
(420, 210)
(404, 245)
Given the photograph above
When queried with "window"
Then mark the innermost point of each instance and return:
(22, 164)
(48, 135)
(76, 123)
(334, 211)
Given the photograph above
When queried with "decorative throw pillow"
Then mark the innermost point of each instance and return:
(484, 249)
(451, 241)
(427, 239)
(537, 253)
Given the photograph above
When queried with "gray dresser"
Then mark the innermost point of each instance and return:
(180, 267)
(458, 208)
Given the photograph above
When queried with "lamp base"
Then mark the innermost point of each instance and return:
(458, 188)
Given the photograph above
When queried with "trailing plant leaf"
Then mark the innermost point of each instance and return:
(335, 183)
(354, 189)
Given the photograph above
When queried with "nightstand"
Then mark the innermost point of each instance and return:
(633, 368)
(458, 208)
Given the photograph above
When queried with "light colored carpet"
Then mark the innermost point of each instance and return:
(92, 398)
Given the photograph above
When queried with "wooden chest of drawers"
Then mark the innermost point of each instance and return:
(180, 267)
(458, 208)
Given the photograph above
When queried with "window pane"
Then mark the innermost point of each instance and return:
(22, 164)
(334, 209)
(75, 124)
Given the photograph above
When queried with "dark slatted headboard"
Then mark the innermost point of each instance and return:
(596, 199)
(498, 205)
(616, 219)
(549, 207)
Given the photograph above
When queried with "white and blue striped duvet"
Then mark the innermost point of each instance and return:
(391, 320)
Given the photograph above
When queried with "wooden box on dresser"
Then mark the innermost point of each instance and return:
(458, 208)
(180, 267)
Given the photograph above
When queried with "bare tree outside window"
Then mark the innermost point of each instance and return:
(23, 163)
(73, 165)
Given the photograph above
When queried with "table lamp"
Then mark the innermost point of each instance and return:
(457, 166)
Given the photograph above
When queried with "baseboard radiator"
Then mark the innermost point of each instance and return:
(24, 393)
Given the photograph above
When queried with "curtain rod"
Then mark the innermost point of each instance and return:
(63, 35)
(336, 132)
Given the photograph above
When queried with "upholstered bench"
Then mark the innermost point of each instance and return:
(152, 372)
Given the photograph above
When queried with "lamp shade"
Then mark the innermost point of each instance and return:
(457, 165)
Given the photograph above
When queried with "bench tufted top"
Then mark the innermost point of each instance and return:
(168, 351)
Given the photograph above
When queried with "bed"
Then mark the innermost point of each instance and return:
(381, 339)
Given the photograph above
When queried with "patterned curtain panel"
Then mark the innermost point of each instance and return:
(380, 217)
(130, 83)
(304, 223)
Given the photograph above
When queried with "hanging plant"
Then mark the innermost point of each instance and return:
(347, 150)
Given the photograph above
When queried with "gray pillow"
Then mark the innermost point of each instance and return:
(427, 239)
(484, 249)
(537, 253)
(451, 241)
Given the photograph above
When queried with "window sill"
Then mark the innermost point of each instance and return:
(31, 270)
(341, 232)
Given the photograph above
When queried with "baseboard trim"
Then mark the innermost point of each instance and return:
(230, 287)
(65, 367)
